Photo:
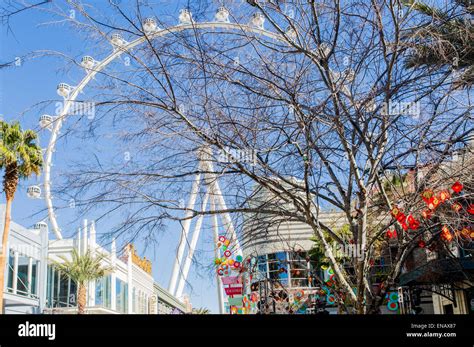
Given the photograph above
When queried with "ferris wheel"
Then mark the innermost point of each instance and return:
(213, 195)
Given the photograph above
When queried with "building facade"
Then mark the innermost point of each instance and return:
(282, 274)
(26, 267)
(33, 284)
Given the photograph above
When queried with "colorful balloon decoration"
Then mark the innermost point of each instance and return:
(330, 284)
(392, 303)
(229, 269)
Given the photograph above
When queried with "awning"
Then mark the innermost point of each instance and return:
(440, 271)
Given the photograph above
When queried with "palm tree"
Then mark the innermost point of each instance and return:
(20, 157)
(201, 310)
(445, 40)
(82, 268)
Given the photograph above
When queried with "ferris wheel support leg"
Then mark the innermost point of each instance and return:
(226, 217)
(192, 247)
(184, 235)
(215, 226)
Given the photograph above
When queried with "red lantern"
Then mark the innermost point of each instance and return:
(427, 195)
(421, 244)
(434, 202)
(445, 234)
(404, 226)
(410, 219)
(395, 211)
(401, 217)
(444, 195)
(415, 225)
(456, 206)
(391, 234)
(457, 187)
(426, 214)
(470, 209)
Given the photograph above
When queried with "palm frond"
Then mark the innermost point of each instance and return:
(82, 268)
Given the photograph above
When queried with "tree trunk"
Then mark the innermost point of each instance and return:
(81, 299)
(10, 182)
(3, 255)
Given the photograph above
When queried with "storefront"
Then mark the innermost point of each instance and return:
(33, 285)
(26, 267)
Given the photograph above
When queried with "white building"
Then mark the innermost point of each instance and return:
(25, 270)
(129, 289)
(33, 285)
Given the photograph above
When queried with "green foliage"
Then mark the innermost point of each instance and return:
(317, 252)
(201, 310)
(19, 149)
(446, 40)
(83, 268)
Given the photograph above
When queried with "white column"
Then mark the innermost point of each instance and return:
(79, 250)
(92, 245)
(192, 247)
(113, 294)
(184, 235)
(84, 236)
(130, 281)
(92, 237)
(42, 279)
(15, 271)
(220, 296)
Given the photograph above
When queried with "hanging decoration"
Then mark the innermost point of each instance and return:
(433, 200)
(229, 269)
(392, 301)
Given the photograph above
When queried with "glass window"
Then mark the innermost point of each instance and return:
(99, 292)
(298, 256)
(61, 290)
(11, 264)
(103, 292)
(50, 286)
(121, 296)
(34, 277)
(299, 282)
(134, 300)
(72, 293)
(22, 277)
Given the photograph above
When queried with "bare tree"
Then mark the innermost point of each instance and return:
(323, 118)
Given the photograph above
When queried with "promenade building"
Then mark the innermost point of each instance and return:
(33, 284)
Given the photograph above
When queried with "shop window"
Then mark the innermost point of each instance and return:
(11, 265)
(22, 275)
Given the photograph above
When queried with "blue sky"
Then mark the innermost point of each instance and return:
(33, 81)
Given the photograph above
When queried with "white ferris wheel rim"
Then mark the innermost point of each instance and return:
(104, 63)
